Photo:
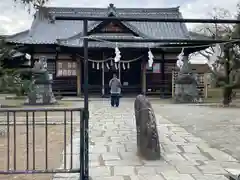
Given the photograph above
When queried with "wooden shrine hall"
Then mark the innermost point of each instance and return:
(61, 43)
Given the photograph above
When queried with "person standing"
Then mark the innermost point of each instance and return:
(115, 90)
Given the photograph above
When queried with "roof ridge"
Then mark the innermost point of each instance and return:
(116, 8)
(114, 11)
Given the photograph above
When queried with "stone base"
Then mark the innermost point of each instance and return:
(186, 93)
(42, 95)
(39, 104)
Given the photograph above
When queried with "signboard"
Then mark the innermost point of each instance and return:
(156, 68)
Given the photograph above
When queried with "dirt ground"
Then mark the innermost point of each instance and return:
(55, 141)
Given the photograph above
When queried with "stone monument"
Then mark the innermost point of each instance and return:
(186, 90)
(40, 92)
(147, 134)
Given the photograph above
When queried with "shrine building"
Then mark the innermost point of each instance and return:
(60, 42)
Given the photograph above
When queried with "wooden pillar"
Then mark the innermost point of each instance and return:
(119, 71)
(32, 57)
(205, 81)
(103, 76)
(144, 83)
(163, 90)
(79, 76)
(173, 83)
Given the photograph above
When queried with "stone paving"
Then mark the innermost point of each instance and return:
(113, 149)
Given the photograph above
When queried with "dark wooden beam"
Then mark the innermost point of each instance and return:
(147, 19)
(155, 40)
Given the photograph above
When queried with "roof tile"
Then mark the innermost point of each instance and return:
(44, 32)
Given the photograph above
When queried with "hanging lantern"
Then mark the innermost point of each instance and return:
(93, 65)
(150, 58)
(97, 65)
(123, 65)
(107, 65)
(128, 65)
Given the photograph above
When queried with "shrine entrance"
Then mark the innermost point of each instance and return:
(129, 75)
(131, 79)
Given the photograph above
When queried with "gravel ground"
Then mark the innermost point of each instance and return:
(55, 142)
(218, 126)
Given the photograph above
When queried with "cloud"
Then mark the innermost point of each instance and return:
(15, 18)
(202, 8)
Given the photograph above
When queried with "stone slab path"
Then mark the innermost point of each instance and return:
(113, 150)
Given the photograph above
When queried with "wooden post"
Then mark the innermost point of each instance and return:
(205, 80)
(173, 86)
(79, 76)
(119, 71)
(32, 58)
(103, 76)
(144, 87)
(163, 89)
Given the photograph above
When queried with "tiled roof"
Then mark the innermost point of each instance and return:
(45, 31)
(78, 41)
(195, 35)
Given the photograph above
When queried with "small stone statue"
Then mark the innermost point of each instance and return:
(40, 93)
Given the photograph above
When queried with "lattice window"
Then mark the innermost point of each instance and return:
(66, 68)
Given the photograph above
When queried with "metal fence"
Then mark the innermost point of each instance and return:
(28, 146)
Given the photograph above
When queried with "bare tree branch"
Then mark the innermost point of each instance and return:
(32, 3)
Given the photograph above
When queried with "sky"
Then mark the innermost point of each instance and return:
(15, 18)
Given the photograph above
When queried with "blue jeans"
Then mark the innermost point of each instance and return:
(115, 100)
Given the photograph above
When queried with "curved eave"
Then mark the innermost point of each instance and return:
(31, 42)
(111, 46)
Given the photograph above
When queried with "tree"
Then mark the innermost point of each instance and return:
(11, 80)
(224, 59)
(32, 3)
